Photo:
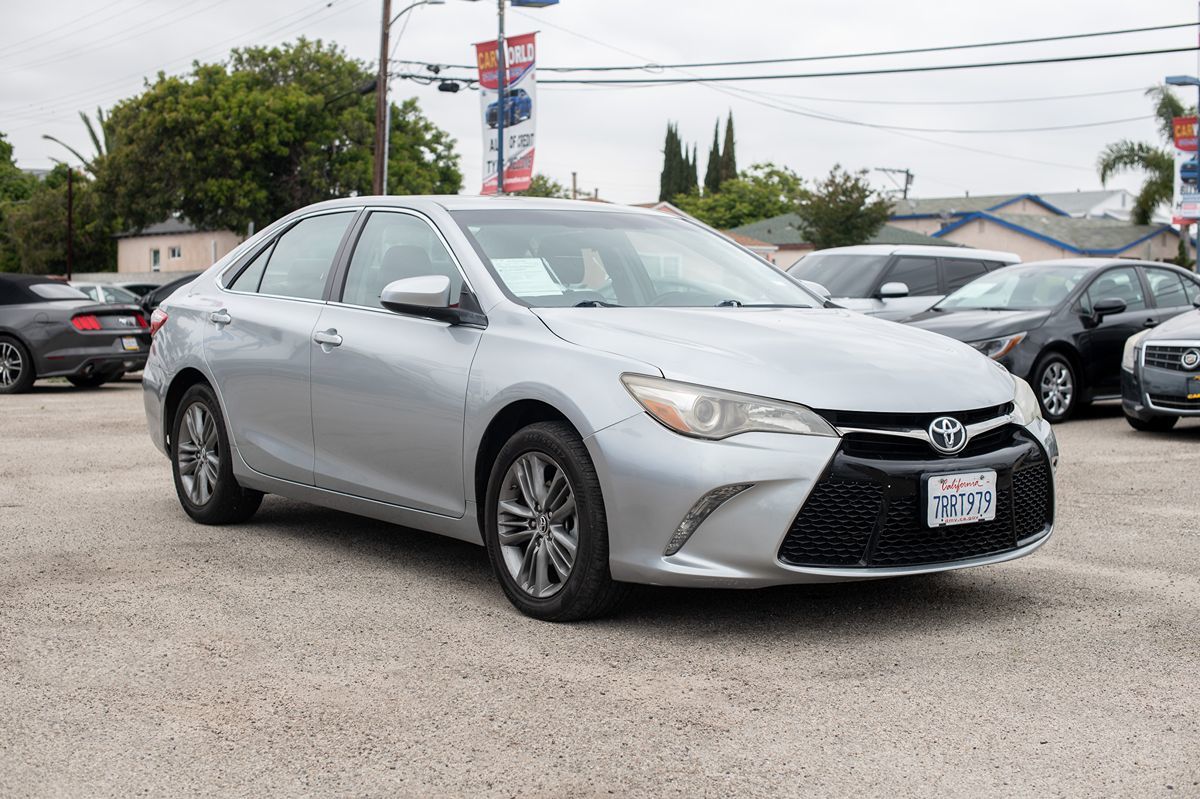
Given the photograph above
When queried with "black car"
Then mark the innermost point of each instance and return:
(1160, 374)
(49, 329)
(1062, 325)
(152, 299)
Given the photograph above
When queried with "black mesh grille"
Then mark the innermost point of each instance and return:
(835, 524)
(1179, 402)
(839, 525)
(1162, 356)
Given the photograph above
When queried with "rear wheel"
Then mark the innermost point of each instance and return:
(545, 526)
(16, 367)
(202, 463)
(1057, 387)
(1155, 424)
(90, 381)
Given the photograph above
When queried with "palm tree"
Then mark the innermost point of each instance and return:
(97, 132)
(1157, 162)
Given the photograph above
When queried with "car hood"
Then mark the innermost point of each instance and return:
(1184, 326)
(978, 325)
(825, 358)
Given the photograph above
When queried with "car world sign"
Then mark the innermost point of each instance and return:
(520, 103)
(1185, 207)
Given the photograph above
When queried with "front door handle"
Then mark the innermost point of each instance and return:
(327, 338)
(220, 317)
(1150, 323)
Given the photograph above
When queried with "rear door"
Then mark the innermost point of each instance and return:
(1168, 291)
(389, 396)
(258, 344)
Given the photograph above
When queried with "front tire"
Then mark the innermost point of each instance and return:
(1155, 424)
(202, 462)
(1057, 387)
(546, 529)
(16, 367)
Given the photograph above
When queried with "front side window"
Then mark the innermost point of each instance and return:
(1116, 284)
(394, 246)
(298, 263)
(1166, 287)
(918, 273)
(1016, 288)
(566, 258)
(843, 274)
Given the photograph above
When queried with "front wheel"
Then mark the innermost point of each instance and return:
(1057, 387)
(545, 526)
(1155, 424)
(202, 463)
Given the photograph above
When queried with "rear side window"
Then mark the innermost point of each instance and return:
(57, 291)
(918, 273)
(1166, 287)
(959, 272)
(299, 263)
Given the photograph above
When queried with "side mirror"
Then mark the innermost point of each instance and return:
(1107, 307)
(893, 290)
(429, 296)
(816, 288)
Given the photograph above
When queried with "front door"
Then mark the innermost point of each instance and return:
(1102, 345)
(389, 390)
(259, 346)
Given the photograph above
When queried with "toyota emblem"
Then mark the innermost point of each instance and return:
(1190, 359)
(947, 435)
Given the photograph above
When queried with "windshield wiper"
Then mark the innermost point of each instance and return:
(596, 304)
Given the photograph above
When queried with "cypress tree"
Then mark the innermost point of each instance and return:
(692, 185)
(669, 178)
(728, 165)
(712, 173)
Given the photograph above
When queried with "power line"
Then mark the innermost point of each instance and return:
(653, 66)
(992, 101)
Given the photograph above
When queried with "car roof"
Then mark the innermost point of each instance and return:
(924, 249)
(1095, 263)
(468, 202)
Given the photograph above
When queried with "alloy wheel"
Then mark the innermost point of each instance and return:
(1057, 388)
(11, 364)
(538, 524)
(198, 453)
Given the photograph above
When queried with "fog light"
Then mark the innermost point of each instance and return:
(701, 511)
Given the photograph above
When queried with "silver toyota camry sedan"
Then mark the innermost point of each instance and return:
(601, 395)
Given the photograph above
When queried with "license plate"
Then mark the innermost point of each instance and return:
(961, 498)
(130, 344)
(1193, 388)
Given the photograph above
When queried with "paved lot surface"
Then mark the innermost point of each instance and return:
(311, 652)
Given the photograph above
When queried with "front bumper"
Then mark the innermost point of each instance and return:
(652, 478)
(1149, 392)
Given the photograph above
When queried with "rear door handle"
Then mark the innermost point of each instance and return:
(327, 338)
(220, 317)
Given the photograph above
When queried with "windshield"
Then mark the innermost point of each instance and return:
(1016, 288)
(566, 258)
(57, 291)
(844, 274)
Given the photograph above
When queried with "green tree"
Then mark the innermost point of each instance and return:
(842, 210)
(712, 171)
(542, 186)
(762, 191)
(1156, 162)
(35, 229)
(727, 167)
(15, 188)
(269, 131)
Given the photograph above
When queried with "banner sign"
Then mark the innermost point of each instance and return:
(1185, 207)
(520, 106)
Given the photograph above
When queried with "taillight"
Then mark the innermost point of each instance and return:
(157, 320)
(141, 320)
(86, 321)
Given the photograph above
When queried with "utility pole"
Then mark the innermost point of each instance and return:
(908, 178)
(70, 219)
(574, 187)
(379, 180)
(501, 81)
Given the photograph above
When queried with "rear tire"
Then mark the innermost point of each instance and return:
(202, 462)
(16, 367)
(1056, 384)
(1155, 424)
(547, 466)
(91, 381)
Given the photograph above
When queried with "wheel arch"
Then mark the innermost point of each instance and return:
(186, 378)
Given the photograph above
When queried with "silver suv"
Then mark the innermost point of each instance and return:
(601, 395)
(896, 281)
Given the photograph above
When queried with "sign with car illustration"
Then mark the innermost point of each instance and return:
(1185, 208)
(515, 116)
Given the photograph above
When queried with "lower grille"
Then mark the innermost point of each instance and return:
(1179, 402)
(871, 513)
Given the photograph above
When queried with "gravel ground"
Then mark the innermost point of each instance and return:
(312, 652)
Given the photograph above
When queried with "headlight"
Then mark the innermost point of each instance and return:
(997, 348)
(1129, 354)
(714, 414)
(1026, 408)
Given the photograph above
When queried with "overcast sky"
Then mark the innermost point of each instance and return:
(70, 56)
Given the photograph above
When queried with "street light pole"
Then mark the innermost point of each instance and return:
(379, 179)
(501, 80)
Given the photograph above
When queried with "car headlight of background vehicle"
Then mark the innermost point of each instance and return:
(714, 414)
(1026, 407)
(1128, 355)
(997, 348)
